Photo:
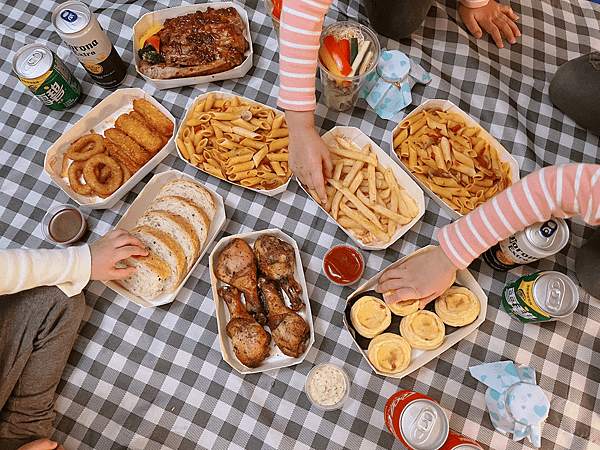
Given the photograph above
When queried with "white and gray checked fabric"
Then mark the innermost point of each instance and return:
(155, 379)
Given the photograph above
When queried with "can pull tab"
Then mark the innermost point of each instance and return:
(35, 58)
(422, 426)
(555, 293)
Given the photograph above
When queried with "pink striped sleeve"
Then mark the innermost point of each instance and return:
(559, 191)
(474, 3)
(301, 26)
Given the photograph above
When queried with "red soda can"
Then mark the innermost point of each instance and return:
(457, 441)
(417, 420)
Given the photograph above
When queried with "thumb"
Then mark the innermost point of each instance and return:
(401, 294)
(424, 301)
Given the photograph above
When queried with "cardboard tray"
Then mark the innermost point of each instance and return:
(101, 117)
(276, 359)
(449, 106)
(419, 357)
(139, 207)
(151, 19)
(224, 95)
(361, 139)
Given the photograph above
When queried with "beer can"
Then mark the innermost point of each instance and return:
(417, 420)
(541, 297)
(457, 441)
(46, 76)
(80, 30)
(537, 241)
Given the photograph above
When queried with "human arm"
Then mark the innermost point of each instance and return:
(559, 191)
(41, 444)
(70, 269)
(497, 19)
(301, 25)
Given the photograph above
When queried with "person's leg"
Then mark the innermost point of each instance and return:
(575, 90)
(37, 330)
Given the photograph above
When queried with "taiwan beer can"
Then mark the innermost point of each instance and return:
(46, 76)
(417, 420)
(537, 241)
(80, 30)
(541, 297)
(457, 441)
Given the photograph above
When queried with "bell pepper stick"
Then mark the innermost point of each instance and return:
(334, 50)
(345, 48)
(329, 62)
(154, 41)
(277, 8)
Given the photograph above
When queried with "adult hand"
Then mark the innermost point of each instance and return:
(111, 248)
(496, 19)
(424, 276)
(42, 444)
(309, 157)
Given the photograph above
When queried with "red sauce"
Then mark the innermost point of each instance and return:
(343, 265)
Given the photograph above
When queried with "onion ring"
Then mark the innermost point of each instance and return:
(85, 147)
(112, 183)
(75, 171)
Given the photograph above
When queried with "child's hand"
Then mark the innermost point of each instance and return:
(41, 444)
(496, 19)
(424, 276)
(111, 248)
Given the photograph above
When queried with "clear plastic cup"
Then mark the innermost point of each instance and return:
(269, 7)
(64, 224)
(327, 386)
(341, 93)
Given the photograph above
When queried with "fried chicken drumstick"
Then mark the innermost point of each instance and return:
(290, 332)
(277, 261)
(237, 267)
(249, 339)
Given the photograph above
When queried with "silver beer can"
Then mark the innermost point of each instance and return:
(80, 30)
(537, 241)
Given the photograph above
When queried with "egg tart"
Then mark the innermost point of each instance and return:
(457, 306)
(370, 316)
(423, 330)
(389, 353)
(404, 307)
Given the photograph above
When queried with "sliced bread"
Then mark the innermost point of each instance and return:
(186, 209)
(178, 228)
(191, 191)
(149, 279)
(165, 247)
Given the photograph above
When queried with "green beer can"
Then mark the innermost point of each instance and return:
(46, 76)
(541, 297)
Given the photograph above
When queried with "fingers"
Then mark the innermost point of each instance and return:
(118, 274)
(473, 26)
(318, 182)
(424, 301)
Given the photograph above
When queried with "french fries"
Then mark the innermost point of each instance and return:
(451, 158)
(242, 142)
(363, 196)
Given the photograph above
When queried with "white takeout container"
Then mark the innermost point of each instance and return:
(153, 18)
(219, 96)
(139, 207)
(421, 357)
(360, 140)
(447, 105)
(101, 117)
(277, 359)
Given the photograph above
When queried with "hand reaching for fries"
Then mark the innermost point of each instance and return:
(425, 276)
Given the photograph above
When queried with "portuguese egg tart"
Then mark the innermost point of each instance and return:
(423, 330)
(370, 316)
(389, 353)
(404, 308)
(457, 306)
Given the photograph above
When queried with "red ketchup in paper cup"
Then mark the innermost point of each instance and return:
(343, 265)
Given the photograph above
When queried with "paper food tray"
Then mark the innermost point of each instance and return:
(151, 19)
(219, 96)
(453, 334)
(276, 359)
(139, 207)
(360, 139)
(100, 118)
(449, 106)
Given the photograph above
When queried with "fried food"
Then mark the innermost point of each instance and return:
(75, 172)
(113, 182)
(135, 151)
(86, 147)
(122, 157)
(153, 116)
(140, 133)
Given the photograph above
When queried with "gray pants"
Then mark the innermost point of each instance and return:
(37, 330)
